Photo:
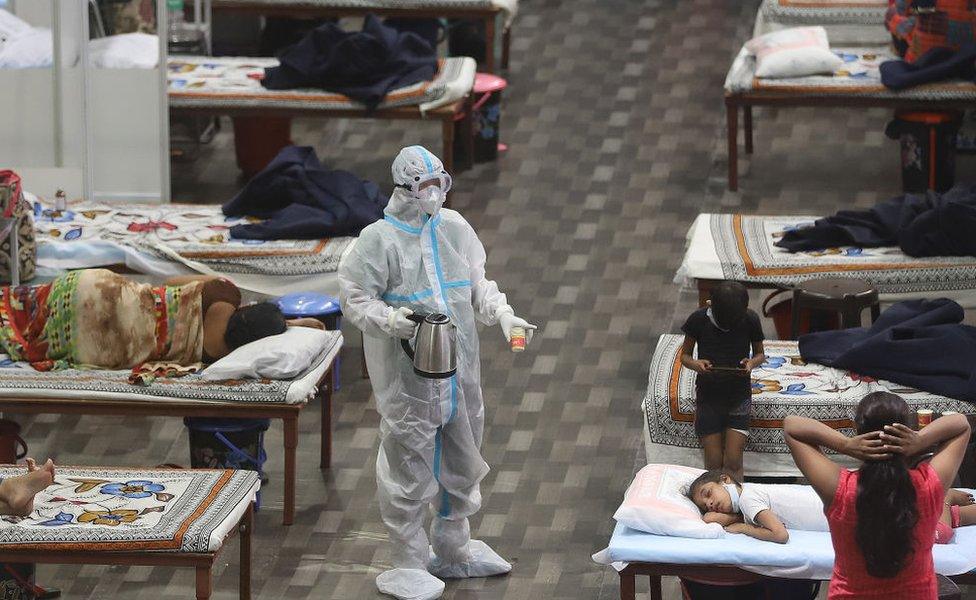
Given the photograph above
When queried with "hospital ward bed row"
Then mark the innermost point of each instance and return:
(173, 239)
(741, 248)
(857, 34)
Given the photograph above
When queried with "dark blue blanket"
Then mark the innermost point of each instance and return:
(921, 225)
(363, 65)
(917, 343)
(301, 199)
(938, 64)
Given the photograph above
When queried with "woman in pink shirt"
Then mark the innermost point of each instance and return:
(883, 516)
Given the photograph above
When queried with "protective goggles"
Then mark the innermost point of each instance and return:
(420, 182)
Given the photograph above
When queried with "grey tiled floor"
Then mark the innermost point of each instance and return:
(615, 123)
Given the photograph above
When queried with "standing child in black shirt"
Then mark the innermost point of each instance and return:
(725, 333)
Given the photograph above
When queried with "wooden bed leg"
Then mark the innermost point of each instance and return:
(204, 583)
(656, 593)
(325, 454)
(291, 443)
(747, 124)
(489, 44)
(506, 45)
(732, 133)
(628, 585)
(247, 523)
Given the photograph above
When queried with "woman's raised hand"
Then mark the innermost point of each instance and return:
(867, 446)
(901, 439)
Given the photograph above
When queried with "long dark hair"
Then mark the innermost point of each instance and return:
(886, 505)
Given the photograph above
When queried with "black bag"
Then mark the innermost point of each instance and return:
(767, 589)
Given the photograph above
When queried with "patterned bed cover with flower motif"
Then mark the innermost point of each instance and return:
(19, 380)
(742, 248)
(124, 510)
(783, 385)
(194, 232)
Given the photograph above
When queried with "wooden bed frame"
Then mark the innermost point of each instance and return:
(486, 15)
(747, 100)
(729, 574)
(448, 115)
(202, 562)
(288, 413)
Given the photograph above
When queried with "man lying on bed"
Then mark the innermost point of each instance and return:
(97, 318)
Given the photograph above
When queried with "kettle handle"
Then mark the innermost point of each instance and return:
(406, 348)
(417, 318)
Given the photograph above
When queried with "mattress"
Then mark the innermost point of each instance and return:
(740, 248)
(858, 76)
(507, 7)
(18, 380)
(808, 554)
(174, 239)
(102, 509)
(846, 21)
(783, 385)
(234, 82)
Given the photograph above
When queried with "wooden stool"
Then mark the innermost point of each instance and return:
(837, 294)
(948, 590)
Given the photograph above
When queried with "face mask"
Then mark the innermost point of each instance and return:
(733, 494)
(431, 200)
(711, 318)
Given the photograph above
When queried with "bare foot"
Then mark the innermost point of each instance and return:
(17, 493)
(959, 498)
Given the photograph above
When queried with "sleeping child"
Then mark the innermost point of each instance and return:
(761, 511)
(765, 512)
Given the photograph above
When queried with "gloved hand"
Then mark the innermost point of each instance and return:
(507, 320)
(400, 325)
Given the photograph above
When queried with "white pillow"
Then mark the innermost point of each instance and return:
(796, 52)
(282, 356)
(656, 503)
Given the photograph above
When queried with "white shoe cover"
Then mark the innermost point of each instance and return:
(484, 562)
(409, 584)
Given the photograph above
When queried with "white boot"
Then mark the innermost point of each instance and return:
(409, 584)
(481, 561)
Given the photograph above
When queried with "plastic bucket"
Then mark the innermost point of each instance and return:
(928, 149)
(12, 446)
(228, 444)
(486, 115)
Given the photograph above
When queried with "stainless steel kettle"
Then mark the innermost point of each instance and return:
(434, 354)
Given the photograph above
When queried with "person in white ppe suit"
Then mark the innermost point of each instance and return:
(424, 259)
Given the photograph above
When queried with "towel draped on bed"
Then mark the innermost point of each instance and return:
(98, 318)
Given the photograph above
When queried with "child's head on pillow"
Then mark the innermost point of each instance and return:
(729, 303)
(709, 491)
